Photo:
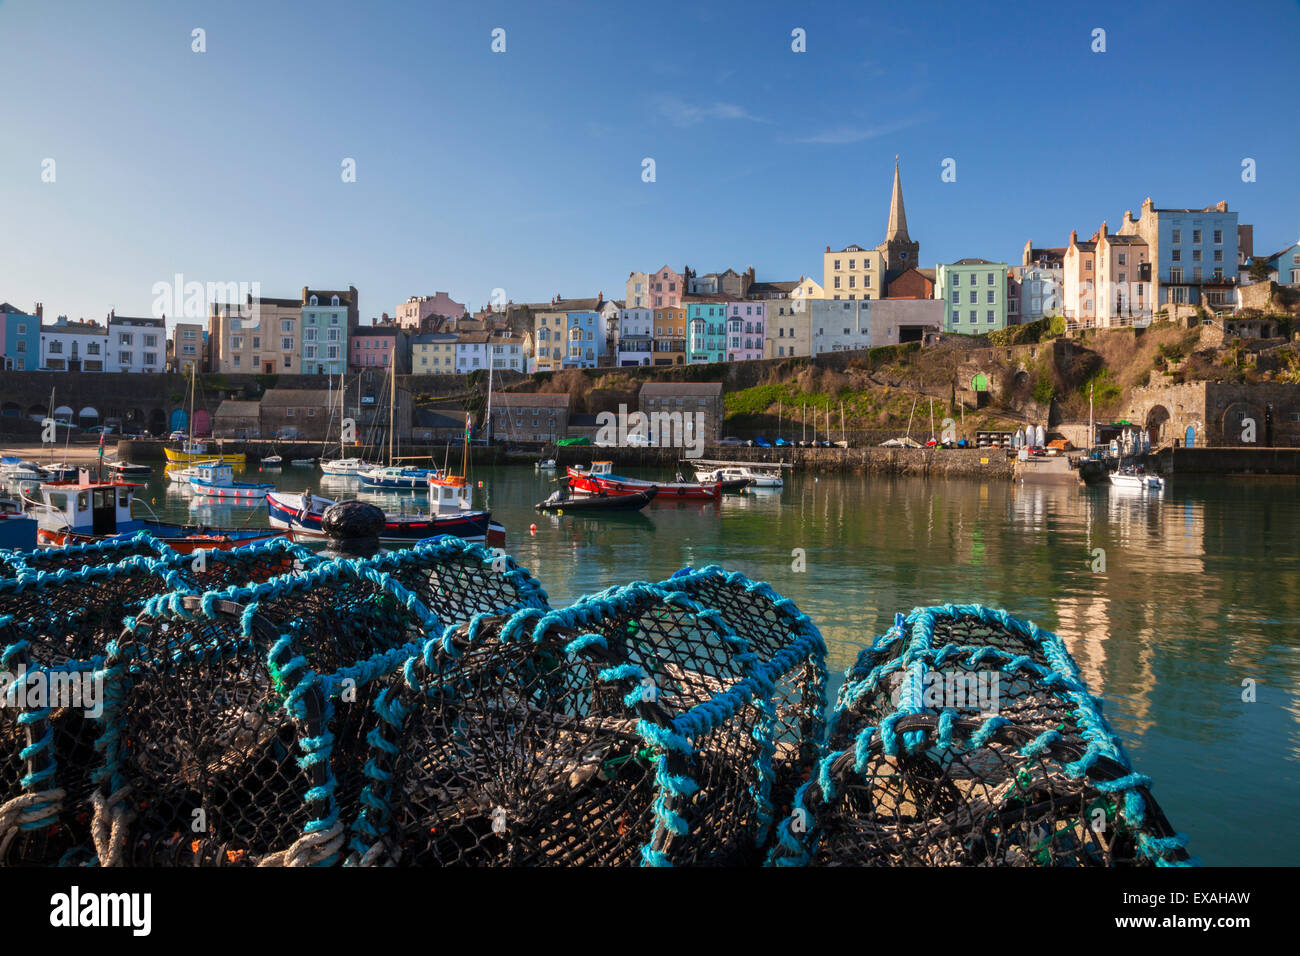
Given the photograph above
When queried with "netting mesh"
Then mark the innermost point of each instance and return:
(457, 580)
(965, 736)
(633, 726)
(73, 557)
(212, 570)
(237, 721)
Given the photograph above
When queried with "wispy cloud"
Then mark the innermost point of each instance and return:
(837, 135)
(681, 113)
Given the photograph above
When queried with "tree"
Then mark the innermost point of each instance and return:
(1259, 270)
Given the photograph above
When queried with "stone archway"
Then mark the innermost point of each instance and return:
(1157, 424)
(88, 417)
(1233, 427)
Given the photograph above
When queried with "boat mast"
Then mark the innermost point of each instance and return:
(488, 423)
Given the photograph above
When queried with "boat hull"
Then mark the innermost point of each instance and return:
(177, 537)
(237, 492)
(618, 484)
(1137, 482)
(190, 457)
(632, 501)
(470, 526)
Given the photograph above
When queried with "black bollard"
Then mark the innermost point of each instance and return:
(351, 530)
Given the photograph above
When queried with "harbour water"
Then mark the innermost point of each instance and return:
(1169, 604)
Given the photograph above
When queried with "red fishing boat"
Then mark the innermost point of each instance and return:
(600, 479)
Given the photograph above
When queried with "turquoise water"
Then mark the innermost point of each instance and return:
(1200, 592)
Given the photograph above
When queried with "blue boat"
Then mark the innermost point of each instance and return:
(397, 477)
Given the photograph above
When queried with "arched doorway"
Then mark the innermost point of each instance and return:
(157, 421)
(63, 414)
(1189, 439)
(202, 422)
(1157, 419)
(980, 383)
(1241, 425)
(180, 420)
(37, 412)
(88, 417)
(11, 410)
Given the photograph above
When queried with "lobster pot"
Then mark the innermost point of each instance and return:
(768, 622)
(232, 739)
(54, 629)
(457, 580)
(214, 569)
(632, 727)
(966, 737)
(73, 557)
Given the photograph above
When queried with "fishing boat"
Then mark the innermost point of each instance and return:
(1136, 479)
(192, 452)
(600, 478)
(301, 517)
(631, 501)
(17, 530)
(19, 469)
(181, 474)
(126, 469)
(85, 510)
(218, 481)
(748, 477)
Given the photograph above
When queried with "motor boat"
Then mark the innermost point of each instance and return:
(272, 461)
(630, 501)
(1136, 479)
(217, 481)
(127, 469)
(181, 474)
(85, 510)
(344, 467)
(546, 464)
(600, 478)
(754, 479)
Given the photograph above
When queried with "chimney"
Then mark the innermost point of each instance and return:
(828, 248)
(40, 310)
(1074, 237)
(1103, 231)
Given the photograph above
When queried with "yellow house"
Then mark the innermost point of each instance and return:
(807, 289)
(670, 336)
(853, 273)
(433, 353)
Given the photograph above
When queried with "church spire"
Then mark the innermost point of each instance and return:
(897, 230)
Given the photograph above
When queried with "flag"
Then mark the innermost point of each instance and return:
(469, 426)
(101, 443)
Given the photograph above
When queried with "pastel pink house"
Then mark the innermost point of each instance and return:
(746, 321)
(666, 289)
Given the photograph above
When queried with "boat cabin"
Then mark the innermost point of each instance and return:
(601, 468)
(214, 473)
(448, 495)
(89, 507)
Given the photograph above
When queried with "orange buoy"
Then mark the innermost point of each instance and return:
(532, 529)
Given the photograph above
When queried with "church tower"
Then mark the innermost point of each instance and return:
(899, 251)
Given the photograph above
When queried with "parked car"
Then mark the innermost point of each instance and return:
(101, 430)
(177, 435)
(637, 440)
(732, 440)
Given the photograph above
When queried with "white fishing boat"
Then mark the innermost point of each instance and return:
(217, 481)
(757, 478)
(181, 474)
(345, 467)
(1135, 479)
(546, 464)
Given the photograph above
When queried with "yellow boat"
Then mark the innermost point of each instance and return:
(192, 452)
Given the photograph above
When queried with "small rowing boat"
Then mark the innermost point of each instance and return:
(631, 501)
(600, 478)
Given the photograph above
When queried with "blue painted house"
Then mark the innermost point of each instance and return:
(20, 338)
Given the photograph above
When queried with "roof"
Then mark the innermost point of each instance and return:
(12, 309)
(300, 397)
(281, 303)
(681, 388)
(773, 286)
(583, 421)
(434, 338)
(973, 262)
(382, 330)
(232, 408)
(1276, 255)
(75, 328)
(531, 399)
(133, 320)
(1125, 240)
(928, 273)
(472, 338)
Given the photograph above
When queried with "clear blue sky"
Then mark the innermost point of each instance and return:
(522, 170)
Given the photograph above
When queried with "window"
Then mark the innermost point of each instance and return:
(150, 358)
(1218, 236)
(1196, 255)
(123, 338)
(313, 301)
(1196, 236)
(990, 282)
(837, 265)
(1178, 235)
(853, 263)
(286, 325)
(989, 317)
(92, 348)
(974, 297)
(1176, 255)
(1218, 255)
(151, 341)
(956, 297)
(1122, 259)
(286, 344)
(990, 295)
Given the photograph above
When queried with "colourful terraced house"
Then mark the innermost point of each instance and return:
(746, 323)
(706, 328)
(670, 336)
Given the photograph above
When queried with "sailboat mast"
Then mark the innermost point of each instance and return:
(488, 423)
